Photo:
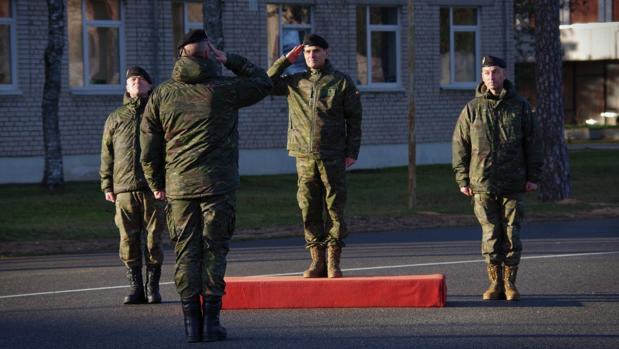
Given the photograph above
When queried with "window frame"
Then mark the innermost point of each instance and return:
(11, 88)
(281, 26)
(187, 25)
(370, 28)
(89, 88)
(454, 85)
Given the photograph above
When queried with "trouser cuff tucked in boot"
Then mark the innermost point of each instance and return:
(136, 286)
(495, 290)
(153, 275)
(192, 313)
(333, 261)
(509, 278)
(318, 267)
(213, 330)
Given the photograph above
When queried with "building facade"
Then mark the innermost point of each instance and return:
(590, 41)
(368, 40)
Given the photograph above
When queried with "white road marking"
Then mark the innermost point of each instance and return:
(73, 291)
(566, 255)
(456, 262)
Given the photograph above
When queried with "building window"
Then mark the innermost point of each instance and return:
(591, 11)
(585, 11)
(378, 28)
(290, 23)
(459, 47)
(186, 16)
(8, 48)
(96, 44)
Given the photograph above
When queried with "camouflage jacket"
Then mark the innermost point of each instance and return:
(497, 144)
(324, 117)
(189, 132)
(120, 169)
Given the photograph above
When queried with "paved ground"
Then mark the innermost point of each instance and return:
(568, 280)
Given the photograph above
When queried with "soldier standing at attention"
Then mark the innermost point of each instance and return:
(189, 137)
(324, 135)
(138, 214)
(497, 157)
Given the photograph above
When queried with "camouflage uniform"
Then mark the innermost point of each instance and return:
(497, 148)
(324, 129)
(189, 138)
(137, 211)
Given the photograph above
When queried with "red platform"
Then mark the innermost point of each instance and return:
(346, 292)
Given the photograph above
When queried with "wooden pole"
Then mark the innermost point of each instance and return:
(412, 148)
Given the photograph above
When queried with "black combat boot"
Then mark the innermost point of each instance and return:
(153, 274)
(192, 312)
(318, 267)
(333, 261)
(509, 277)
(495, 290)
(136, 290)
(213, 330)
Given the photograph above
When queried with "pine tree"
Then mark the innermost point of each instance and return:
(555, 184)
(53, 177)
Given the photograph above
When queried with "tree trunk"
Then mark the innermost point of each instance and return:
(555, 184)
(213, 23)
(53, 177)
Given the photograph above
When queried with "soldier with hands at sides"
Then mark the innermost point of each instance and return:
(497, 157)
(138, 215)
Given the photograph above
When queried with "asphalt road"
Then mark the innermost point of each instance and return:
(568, 278)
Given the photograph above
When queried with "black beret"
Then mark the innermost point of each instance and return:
(195, 35)
(138, 71)
(315, 40)
(491, 61)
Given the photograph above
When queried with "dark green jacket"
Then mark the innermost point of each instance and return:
(189, 132)
(120, 169)
(497, 143)
(324, 117)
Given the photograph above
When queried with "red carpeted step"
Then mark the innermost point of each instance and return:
(346, 292)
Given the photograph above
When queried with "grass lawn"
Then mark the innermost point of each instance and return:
(28, 212)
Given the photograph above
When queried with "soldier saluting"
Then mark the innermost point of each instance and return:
(190, 156)
(324, 136)
(497, 157)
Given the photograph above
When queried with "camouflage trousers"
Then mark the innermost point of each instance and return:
(200, 230)
(140, 218)
(500, 218)
(322, 187)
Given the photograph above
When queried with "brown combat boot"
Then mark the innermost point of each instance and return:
(495, 290)
(333, 262)
(509, 277)
(318, 267)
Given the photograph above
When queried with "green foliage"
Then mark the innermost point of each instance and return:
(30, 212)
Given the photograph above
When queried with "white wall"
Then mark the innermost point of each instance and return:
(251, 162)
